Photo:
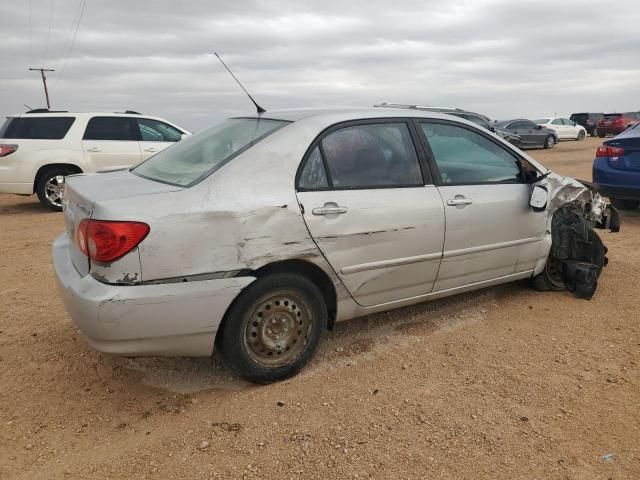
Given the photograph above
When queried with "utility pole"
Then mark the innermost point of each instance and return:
(44, 81)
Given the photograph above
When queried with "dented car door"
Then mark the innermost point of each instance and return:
(364, 199)
(491, 232)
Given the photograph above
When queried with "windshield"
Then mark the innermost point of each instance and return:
(541, 121)
(198, 156)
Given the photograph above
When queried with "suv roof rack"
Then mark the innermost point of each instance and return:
(46, 110)
(418, 107)
(130, 112)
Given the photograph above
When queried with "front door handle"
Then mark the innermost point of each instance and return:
(329, 208)
(93, 149)
(459, 200)
(150, 149)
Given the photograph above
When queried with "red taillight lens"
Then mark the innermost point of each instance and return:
(106, 241)
(606, 151)
(7, 150)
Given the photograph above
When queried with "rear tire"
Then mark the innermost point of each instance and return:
(594, 132)
(273, 328)
(549, 142)
(625, 204)
(50, 186)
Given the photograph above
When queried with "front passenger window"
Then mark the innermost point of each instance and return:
(466, 157)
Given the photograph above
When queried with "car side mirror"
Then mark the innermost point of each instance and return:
(539, 127)
(539, 197)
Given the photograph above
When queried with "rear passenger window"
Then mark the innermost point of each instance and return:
(372, 155)
(36, 128)
(466, 157)
(109, 128)
(313, 174)
(156, 131)
(557, 121)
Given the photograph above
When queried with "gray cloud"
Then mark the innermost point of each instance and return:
(499, 57)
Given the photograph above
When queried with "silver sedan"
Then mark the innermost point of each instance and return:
(257, 235)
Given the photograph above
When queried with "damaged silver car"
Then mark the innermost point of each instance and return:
(257, 235)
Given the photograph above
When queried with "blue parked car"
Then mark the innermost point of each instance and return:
(616, 169)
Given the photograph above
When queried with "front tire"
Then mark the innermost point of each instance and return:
(601, 134)
(625, 204)
(549, 142)
(581, 135)
(273, 329)
(550, 279)
(50, 187)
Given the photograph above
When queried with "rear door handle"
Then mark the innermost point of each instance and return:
(93, 149)
(454, 202)
(150, 149)
(330, 208)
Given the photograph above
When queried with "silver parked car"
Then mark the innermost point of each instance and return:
(258, 234)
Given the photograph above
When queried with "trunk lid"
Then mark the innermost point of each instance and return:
(83, 192)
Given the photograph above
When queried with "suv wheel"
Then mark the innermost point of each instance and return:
(51, 185)
(273, 329)
(594, 132)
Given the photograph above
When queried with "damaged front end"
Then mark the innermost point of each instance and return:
(577, 252)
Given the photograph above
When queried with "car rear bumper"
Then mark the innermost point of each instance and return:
(174, 319)
(610, 130)
(622, 193)
(19, 188)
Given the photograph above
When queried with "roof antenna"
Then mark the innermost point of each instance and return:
(258, 107)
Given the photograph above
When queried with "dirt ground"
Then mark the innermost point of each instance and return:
(504, 383)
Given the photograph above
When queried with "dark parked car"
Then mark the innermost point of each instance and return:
(615, 123)
(588, 120)
(616, 169)
(529, 134)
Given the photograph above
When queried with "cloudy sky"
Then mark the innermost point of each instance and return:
(503, 58)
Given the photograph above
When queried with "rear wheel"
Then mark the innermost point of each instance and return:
(549, 142)
(50, 187)
(625, 204)
(594, 132)
(273, 329)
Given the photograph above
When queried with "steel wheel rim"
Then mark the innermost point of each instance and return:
(54, 190)
(554, 272)
(277, 329)
(581, 135)
(550, 142)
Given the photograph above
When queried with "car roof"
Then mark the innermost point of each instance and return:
(65, 113)
(334, 115)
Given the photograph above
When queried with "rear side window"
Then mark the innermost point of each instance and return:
(198, 156)
(477, 120)
(36, 128)
(372, 155)
(466, 157)
(314, 176)
(156, 131)
(109, 128)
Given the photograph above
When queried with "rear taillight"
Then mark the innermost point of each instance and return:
(607, 151)
(7, 150)
(106, 241)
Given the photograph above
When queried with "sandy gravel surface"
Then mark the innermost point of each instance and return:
(505, 383)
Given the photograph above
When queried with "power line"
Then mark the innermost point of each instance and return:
(46, 47)
(73, 40)
(30, 36)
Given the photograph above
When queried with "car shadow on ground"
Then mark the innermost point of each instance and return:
(21, 208)
(346, 341)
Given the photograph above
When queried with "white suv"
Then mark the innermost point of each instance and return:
(40, 147)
